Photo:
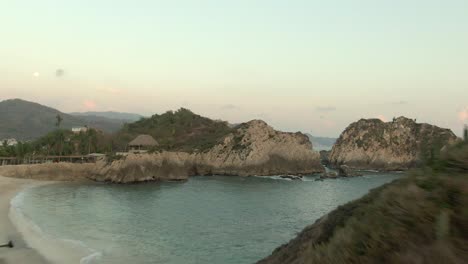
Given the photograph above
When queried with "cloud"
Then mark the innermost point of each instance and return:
(325, 109)
(463, 115)
(89, 104)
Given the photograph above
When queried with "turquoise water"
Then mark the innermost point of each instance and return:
(205, 220)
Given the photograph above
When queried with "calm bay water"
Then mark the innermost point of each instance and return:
(205, 220)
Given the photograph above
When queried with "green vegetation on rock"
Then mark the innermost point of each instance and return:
(181, 130)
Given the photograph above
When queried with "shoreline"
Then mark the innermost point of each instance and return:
(31, 245)
(21, 252)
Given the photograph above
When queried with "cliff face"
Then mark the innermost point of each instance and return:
(253, 149)
(257, 149)
(396, 145)
(166, 166)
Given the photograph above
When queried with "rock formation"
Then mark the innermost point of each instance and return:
(165, 166)
(346, 171)
(396, 145)
(253, 149)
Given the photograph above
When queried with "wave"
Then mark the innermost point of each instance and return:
(54, 249)
(280, 177)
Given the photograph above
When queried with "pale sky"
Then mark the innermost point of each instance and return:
(311, 66)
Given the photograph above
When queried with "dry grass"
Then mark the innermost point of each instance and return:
(422, 218)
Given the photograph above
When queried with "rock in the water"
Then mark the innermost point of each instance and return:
(329, 175)
(396, 145)
(291, 177)
(346, 171)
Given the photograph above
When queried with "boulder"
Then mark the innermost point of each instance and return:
(346, 171)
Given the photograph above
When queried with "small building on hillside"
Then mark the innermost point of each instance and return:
(77, 130)
(10, 142)
(142, 143)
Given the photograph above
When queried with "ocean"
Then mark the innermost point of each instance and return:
(213, 219)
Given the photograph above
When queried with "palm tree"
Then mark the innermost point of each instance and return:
(57, 124)
(59, 120)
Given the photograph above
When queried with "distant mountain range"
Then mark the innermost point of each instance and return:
(26, 120)
(111, 115)
(321, 143)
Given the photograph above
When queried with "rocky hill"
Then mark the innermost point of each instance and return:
(180, 130)
(254, 148)
(396, 145)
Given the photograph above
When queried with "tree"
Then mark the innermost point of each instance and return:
(59, 120)
(57, 124)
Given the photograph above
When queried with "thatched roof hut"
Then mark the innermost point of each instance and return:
(143, 141)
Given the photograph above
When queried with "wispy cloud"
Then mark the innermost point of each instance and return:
(325, 109)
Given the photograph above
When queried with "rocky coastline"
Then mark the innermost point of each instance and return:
(371, 144)
(254, 148)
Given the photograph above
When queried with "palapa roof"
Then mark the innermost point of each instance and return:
(143, 140)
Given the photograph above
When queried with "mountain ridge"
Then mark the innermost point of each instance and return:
(26, 120)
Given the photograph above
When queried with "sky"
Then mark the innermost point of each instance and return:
(311, 66)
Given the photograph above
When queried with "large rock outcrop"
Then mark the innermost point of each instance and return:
(165, 166)
(253, 149)
(396, 145)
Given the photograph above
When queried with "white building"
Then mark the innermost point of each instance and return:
(79, 129)
(10, 142)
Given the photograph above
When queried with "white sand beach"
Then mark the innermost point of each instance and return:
(21, 252)
(29, 245)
